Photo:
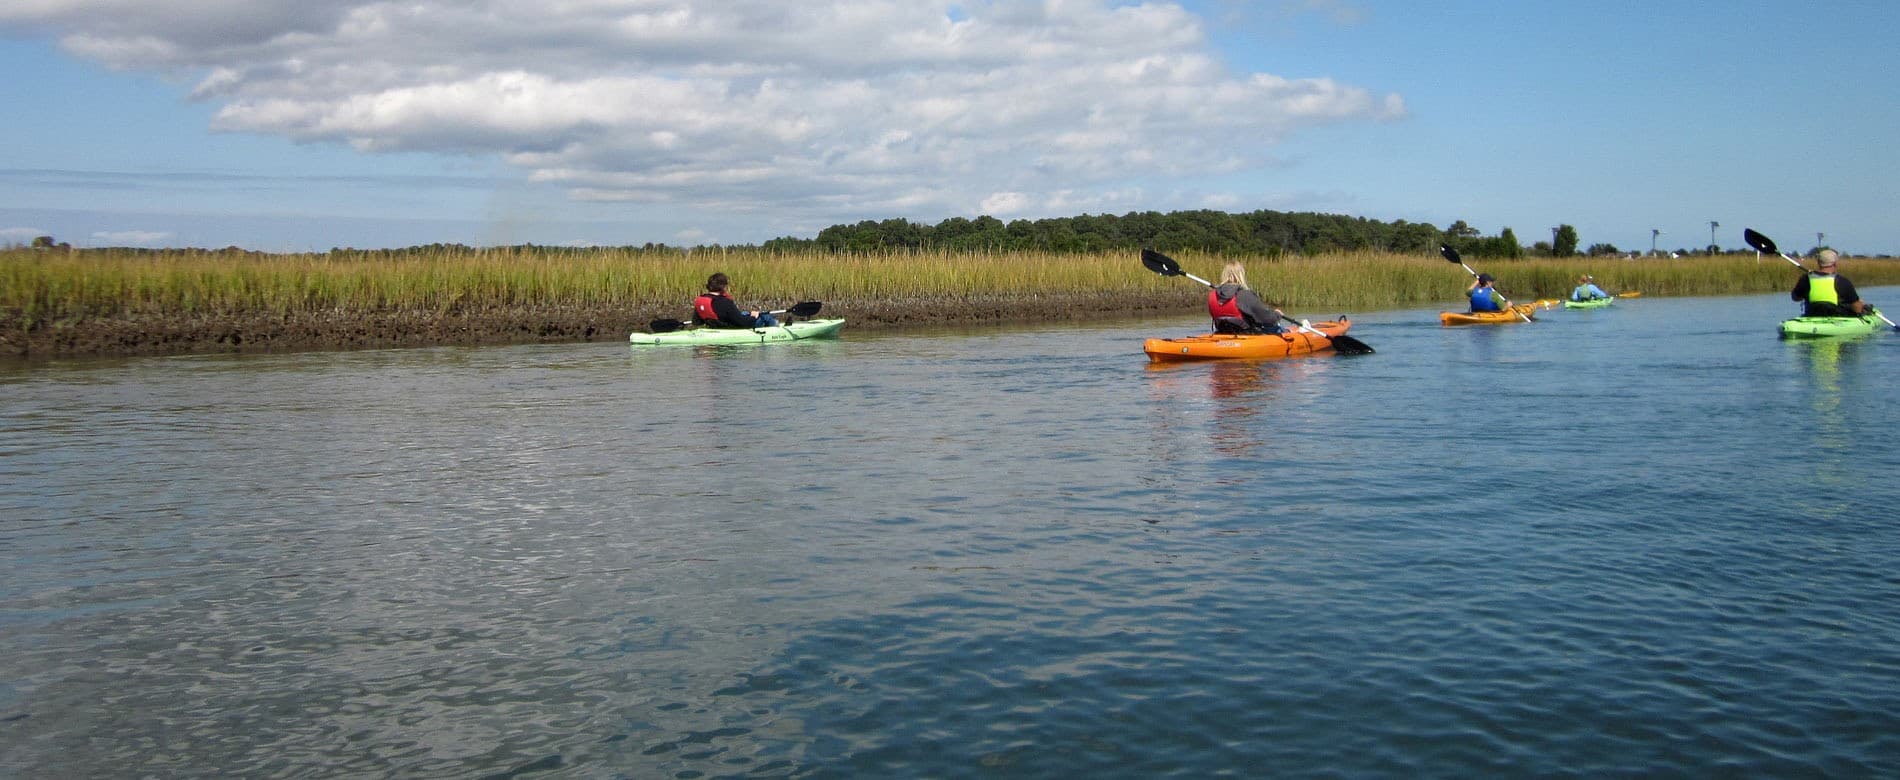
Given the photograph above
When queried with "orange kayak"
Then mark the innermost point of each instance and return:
(1488, 317)
(1216, 346)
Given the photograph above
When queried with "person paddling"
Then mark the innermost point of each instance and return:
(716, 309)
(1236, 308)
(1825, 293)
(1484, 295)
(1587, 289)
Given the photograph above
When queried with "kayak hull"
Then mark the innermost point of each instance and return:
(1245, 346)
(1830, 327)
(797, 331)
(1593, 303)
(1516, 313)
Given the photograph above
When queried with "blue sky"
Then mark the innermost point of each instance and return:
(290, 125)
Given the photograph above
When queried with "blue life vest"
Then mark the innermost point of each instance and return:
(1482, 300)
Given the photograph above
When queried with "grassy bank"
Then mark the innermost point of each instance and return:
(599, 291)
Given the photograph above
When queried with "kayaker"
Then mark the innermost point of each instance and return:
(1825, 293)
(715, 308)
(1587, 289)
(1236, 308)
(1484, 297)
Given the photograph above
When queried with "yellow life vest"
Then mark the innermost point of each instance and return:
(1821, 289)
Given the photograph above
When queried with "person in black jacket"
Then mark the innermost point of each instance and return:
(1825, 293)
(715, 308)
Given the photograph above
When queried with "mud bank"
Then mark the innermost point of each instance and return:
(179, 334)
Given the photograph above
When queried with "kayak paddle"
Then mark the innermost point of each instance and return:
(802, 309)
(1763, 243)
(1452, 255)
(1166, 266)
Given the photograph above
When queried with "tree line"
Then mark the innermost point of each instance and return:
(1262, 232)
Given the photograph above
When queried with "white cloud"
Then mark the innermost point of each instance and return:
(1005, 204)
(814, 109)
(19, 235)
(130, 237)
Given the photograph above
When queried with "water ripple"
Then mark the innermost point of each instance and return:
(1016, 552)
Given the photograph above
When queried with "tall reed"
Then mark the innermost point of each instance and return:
(41, 286)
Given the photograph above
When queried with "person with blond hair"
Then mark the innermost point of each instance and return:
(1824, 293)
(1236, 308)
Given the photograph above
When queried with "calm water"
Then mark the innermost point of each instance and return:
(1651, 540)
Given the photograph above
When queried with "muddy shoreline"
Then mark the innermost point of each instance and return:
(256, 332)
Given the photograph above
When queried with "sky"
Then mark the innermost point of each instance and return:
(304, 125)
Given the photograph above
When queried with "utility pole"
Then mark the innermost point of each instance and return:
(1553, 242)
(1820, 239)
(1712, 226)
(1653, 233)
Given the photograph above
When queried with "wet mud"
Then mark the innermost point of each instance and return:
(178, 334)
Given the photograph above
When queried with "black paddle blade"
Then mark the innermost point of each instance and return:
(1450, 254)
(1759, 241)
(1347, 345)
(665, 326)
(1160, 263)
(805, 308)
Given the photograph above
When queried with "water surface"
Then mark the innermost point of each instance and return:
(1647, 540)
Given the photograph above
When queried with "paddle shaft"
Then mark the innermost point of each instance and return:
(1303, 326)
(802, 309)
(1507, 301)
(1166, 266)
(1452, 255)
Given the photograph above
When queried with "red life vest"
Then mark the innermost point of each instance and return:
(1218, 309)
(703, 307)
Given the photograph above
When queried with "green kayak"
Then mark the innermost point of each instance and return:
(1593, 303)
(797, 331)
(1824, 327)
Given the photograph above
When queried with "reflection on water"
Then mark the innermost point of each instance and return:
(1825, 357)
(1833, 373)
(1242, 396)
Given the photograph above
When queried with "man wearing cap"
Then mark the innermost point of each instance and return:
(1483, 296)
(1825, 293)
(1587, 289)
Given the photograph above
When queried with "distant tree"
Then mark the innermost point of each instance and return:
(1418, 237)
(1603, 250)
(1467, 240)
(1504, 245)
(1566, 243)
(47, 242)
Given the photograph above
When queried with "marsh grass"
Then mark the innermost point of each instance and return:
(39, 286)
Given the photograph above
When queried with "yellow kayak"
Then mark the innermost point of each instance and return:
(1517, 313)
